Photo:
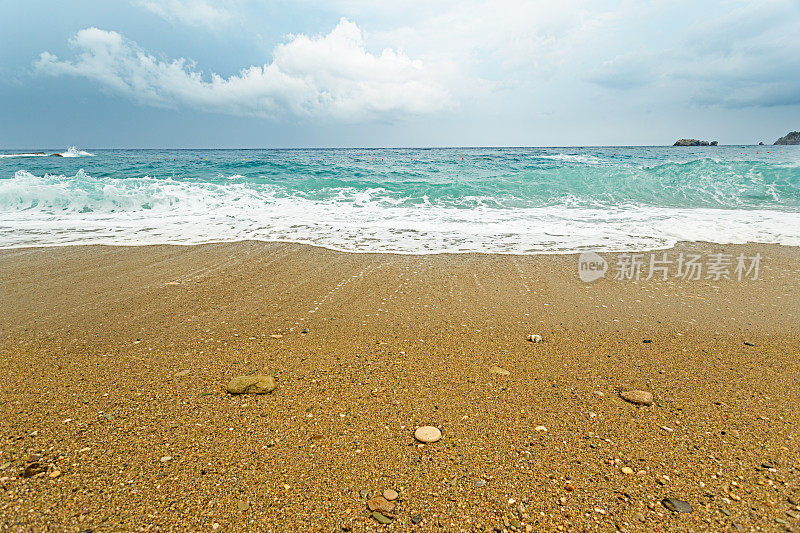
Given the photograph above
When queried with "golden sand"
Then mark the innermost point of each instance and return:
(115, 362)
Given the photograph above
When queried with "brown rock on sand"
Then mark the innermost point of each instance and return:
(638, 397)
(379, 503)
(251, 385)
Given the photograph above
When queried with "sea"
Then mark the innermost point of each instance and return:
(405, 200)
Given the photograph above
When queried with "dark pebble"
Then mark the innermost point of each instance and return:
(748, 343)
(647, 341)
(676, 505)
(416, 519)
(305, 330)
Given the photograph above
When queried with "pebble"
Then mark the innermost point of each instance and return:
(251, 385)
(242, 506)
(535, 338)
(747, 343)
(627, 470)
(638, 516)
(676, 505)
(364, 494)
(498, 370)
(416, 519)
(166, 459)
(381, 518)
(379, 503)
(480, 483)
(540, 428)
(181, 374)
(390, 494)
(276, 336)
(305, 330)
(427, 434)
(33, 469)
(525, 454)
(638, 397)
(55, 473)
(647, 341)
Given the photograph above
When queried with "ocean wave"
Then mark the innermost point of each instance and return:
(573, 158)
(57, 209)
(74, 152)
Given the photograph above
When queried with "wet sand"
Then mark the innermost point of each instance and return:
(115, 361)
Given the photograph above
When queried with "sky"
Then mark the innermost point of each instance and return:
(305, 73)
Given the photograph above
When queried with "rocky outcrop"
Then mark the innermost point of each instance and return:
(693, 142)
(792, 137)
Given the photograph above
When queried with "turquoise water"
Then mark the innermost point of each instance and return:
(506, 200)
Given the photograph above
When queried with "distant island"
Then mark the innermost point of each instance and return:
(792, 137)
(694, 142)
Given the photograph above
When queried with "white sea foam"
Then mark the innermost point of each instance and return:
(74, 152)
(32, 154)
(58, 210)
(572, 158)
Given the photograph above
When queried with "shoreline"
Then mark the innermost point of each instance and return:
(569, 253)
(117, 358)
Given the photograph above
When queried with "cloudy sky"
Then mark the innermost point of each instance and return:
(247, 73)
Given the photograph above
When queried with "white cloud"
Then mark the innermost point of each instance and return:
(330, 75)
(190, 12)
(745, 57)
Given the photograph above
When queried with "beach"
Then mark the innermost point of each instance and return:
(116, 361)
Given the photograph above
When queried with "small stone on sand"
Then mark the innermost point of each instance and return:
(498, 370)
(427, 434)
(55, 473)
(251, 385)
(540, 428)
(627, 470)
(638, 397)
(181, 374)
(390, 494)
(166, 459)
(379, 503)
(676, 505)
(416, 519)
(535, 338)
(242, 506)
(381, 518)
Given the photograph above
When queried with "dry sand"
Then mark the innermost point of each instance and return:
(115, 361)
